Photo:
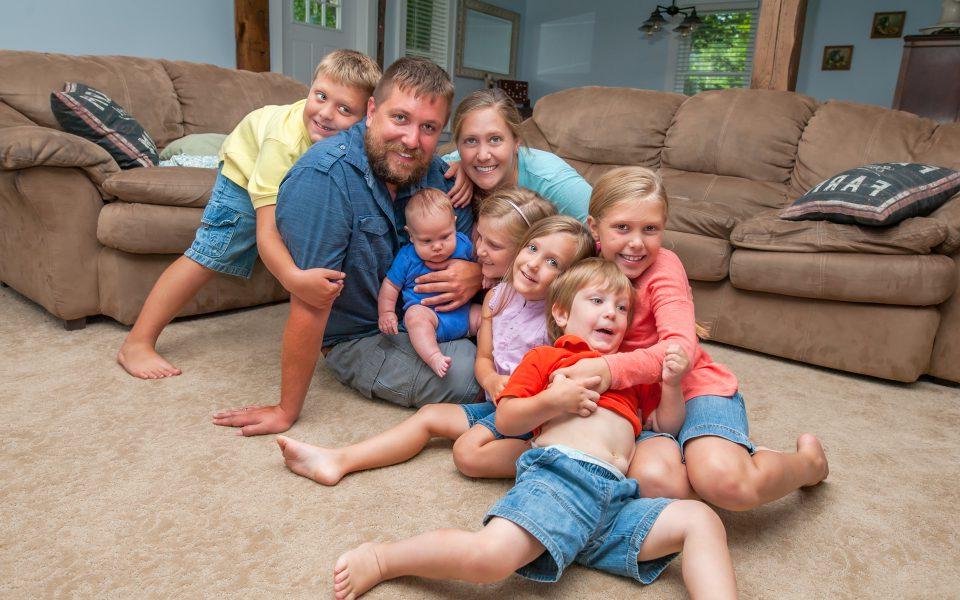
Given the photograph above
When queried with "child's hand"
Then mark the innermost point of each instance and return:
(255, 420)
(388, 323)
(574, 398)
(495, 384)
(317, 287)
(675, 365)
(462, 191)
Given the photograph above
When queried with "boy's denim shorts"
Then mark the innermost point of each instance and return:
(484, 413)
(227, 239)
(581, 509)
(719, 416)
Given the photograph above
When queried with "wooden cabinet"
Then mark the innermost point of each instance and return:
(929, 83)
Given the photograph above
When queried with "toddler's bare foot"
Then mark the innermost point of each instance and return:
(319, 464)
(356, 571)
(141, 360)
(809, 446)
(439, 363)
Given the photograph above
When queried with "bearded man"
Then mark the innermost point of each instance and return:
(341, 207)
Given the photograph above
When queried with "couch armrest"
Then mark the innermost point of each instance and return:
(10, 117)
(26, 146)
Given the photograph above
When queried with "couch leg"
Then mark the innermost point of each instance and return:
(74, 324)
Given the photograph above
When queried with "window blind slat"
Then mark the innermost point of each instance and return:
(719, 54)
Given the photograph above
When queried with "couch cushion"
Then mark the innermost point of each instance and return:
(600, 125)
(701, 218)
(92, 115)
(771, 233)
(169, 186)
(704, 258)
(844, 135)
(905, 280)
(140, 85)
(147, 228)
(738, 132)
(740, 197)
(202, 89)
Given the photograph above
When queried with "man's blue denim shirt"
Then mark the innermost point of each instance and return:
(333, 213)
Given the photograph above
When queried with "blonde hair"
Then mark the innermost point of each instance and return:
(590, 271)
(418, 75)
(488, 98)
(428, 201)
(349, 68)
(626, 184)
(516, 209)
(562, 224)
(632, 184)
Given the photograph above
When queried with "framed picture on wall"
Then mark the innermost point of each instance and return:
(888, 24)
(837, 58)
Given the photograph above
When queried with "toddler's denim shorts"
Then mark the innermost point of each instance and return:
(720, 416)
(582, 510)
(484, 413)
(227, 239)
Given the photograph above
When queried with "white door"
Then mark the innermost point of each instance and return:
(313, 28)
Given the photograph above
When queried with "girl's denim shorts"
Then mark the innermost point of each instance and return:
(719, 416)
(227, 239)
(484, 413)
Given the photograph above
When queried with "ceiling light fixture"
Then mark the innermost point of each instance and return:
(657, 21)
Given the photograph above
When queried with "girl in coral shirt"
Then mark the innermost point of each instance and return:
(712, 454)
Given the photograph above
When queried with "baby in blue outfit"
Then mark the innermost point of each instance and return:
(434, 239)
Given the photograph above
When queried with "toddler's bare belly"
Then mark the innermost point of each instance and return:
(604, 435)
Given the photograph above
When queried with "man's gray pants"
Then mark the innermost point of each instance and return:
(387, 367)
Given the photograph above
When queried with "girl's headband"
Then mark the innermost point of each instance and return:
(517, 208)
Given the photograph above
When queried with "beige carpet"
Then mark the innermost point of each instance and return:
(116, 487)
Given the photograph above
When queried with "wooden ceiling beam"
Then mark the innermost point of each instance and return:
(252, 30)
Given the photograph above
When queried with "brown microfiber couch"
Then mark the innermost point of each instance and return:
(878, 301)
(78, 235)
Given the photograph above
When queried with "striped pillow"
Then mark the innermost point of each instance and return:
(92, 115)
(880, 194)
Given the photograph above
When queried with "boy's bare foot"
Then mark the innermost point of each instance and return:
(356, 571)
(439, 363)
(142, 360)
(809, 446)
(312, 462)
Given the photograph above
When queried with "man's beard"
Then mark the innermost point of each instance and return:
(377, 150)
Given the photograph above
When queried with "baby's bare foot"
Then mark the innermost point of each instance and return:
(356, 571)
(439, 363)
(319, 464)
(809, 446)
(141, 360)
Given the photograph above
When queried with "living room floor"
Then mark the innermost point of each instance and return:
(117, 487)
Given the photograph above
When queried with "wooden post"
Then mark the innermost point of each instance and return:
(776, 55)
(252, 29)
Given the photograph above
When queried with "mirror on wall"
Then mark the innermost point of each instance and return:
(486, 40)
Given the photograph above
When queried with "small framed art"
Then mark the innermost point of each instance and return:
(837, 58)
(888, 24)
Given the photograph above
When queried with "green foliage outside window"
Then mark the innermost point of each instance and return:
(719, 50)
(419, 25)
(322, 12)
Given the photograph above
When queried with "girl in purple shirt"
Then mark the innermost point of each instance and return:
(527, 259)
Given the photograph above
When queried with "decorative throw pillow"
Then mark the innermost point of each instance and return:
(91, 114)
(880, 194)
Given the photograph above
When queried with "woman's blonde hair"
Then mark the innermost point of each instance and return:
(488, 98)
(626, 184)
(590, 271)
(585, 247)
(515, 209)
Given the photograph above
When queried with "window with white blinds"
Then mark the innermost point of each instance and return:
(719, 53)
(428, 31)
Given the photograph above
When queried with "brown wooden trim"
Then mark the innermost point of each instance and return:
(252, 30)
(776, 55)
(381, 29)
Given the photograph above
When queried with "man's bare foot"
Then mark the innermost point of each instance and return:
(809, 446)
(356, 571)
(142, 360)
(439, 364)
(319, 464)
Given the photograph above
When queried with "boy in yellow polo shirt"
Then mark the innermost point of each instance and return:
(239, 218)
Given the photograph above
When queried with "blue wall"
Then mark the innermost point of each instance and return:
(876, 62)
(195, 30)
